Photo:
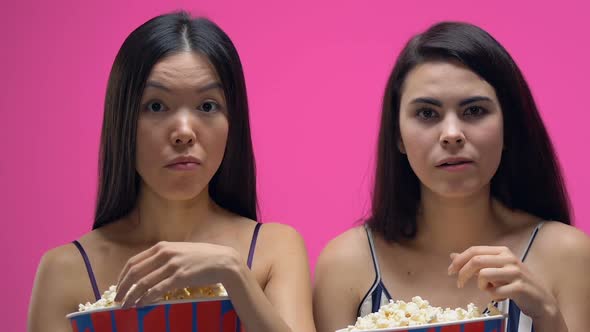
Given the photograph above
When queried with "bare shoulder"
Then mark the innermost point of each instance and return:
(275, 240)
(348, 249)
(564, 257)
(62, 271)
(557, 240)
(58, 289)
(276, 233)
(560, 247)
(64, 256)
(343, 273)
(272, 237)
(346, 261)
(59, 262)
(278, 243)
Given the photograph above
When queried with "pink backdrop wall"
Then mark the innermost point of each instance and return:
(315, 74)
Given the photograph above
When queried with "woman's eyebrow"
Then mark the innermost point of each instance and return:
(210, 86)
(473, 100)
(427, 100)
(436, 102)
(157, 85)
(207, 87)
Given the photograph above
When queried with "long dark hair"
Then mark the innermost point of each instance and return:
(529, 176)
(233, 186)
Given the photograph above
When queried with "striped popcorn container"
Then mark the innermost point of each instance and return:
(201, 315)
(484, 324)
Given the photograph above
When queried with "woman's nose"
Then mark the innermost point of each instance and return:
(452, 134)
(183, 132)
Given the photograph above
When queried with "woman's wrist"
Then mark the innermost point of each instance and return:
(231, 269)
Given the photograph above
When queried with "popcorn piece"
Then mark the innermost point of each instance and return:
(107, 300)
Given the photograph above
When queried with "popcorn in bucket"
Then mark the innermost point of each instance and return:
(419, 316)
(206, 309)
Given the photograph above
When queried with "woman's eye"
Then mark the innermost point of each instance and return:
(155, 107)
(209, 106)
(474, 111)
(426, 114)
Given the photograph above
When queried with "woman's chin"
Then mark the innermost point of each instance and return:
(181, 195)
(458, 191)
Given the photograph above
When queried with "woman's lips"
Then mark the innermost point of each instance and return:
(184, 166)
(456, 166)
(184, 163)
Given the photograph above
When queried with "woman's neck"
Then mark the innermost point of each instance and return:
(453, 224)
(158, 219)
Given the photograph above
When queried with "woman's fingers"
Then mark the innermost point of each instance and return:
(138, 267)
(137, 259)
(156, 292)
(460, 259)
(477, 263)
(489, 278)
(145, 286)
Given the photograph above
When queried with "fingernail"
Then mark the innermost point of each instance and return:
(453, 255)
(451, 269)
(124, 303)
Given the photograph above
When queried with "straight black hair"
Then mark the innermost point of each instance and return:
(233, 186)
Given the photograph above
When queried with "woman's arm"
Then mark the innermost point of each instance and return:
(285, 304)
(53, 291)
(571, 268)
(337, 280)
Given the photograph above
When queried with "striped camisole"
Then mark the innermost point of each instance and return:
(378, 295)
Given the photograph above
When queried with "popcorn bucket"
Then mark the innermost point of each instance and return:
(197, 315)
(484, 324)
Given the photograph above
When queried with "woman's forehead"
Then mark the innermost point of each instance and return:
(182, 70)
(444, 80)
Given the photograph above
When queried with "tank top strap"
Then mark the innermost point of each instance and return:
(88, 269)
(373, 253)
(531, 239)
(253, 244)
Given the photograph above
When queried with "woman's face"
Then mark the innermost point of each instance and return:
(182, 127)
(451, 128)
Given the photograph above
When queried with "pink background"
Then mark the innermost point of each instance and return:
(315, 74)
